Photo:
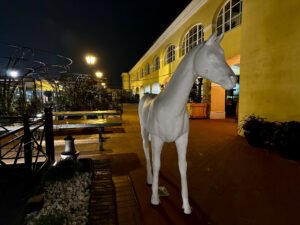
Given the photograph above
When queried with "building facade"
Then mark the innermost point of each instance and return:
(260, 43)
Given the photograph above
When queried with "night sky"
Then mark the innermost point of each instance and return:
(118, 32)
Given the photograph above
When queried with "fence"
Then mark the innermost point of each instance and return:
(31, 142)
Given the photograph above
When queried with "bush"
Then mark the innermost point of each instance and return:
(258, 132)
(284, 136)
(286, 140)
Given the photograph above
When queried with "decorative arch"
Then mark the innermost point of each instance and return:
(147, 89)
(155, 88)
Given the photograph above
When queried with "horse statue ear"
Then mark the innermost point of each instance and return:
(220, 37)
(214, 38)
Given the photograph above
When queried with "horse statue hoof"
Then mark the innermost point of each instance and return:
(154, 201)
(187, 210)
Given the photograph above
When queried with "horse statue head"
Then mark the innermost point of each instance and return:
(210, 63)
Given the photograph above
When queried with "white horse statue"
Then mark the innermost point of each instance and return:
(164, 118)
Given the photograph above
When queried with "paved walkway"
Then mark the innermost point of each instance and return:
(230, 182)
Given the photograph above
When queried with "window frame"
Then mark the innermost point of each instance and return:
(222, 23)
(188, 43)
(147, 69)
(156, 63)
(170, 54)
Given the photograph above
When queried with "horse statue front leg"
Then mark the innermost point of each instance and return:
(181, 145)
(156, 145)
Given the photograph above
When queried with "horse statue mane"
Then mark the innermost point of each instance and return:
(164, 117)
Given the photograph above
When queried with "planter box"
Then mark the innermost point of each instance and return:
(197, 110)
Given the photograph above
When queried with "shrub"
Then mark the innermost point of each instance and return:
(256, 130)
(284, 136)
(286, 140)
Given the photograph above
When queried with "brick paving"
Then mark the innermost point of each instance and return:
(230, 182)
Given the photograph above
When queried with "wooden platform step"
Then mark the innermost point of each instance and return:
(127, 207)
(102, 204)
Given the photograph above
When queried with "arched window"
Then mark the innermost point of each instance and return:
(192, 38)
(170, 54)
(147, 69)
(156, 63)
(230, 16)
(142, 73)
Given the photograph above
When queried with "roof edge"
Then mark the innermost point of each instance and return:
(186, 14)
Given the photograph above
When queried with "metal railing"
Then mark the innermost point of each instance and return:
(30, 143)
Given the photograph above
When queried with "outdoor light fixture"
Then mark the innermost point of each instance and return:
(90, 59)
(13, 73)
(103, 84)
(99, 74)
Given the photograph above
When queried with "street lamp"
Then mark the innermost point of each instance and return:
(13, 73)
(99, 74)
(90, 59)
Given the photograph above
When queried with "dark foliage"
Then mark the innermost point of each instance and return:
(286, 139)
(284, 136)
(255, 131)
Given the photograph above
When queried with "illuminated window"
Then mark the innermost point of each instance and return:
(170, 54)
(156, 63)
(192, 38)
(230, 16)
(147, 69)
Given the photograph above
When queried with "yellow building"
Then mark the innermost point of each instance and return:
(261, 44)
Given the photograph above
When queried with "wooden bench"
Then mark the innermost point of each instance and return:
(88, 123)
(99, 114)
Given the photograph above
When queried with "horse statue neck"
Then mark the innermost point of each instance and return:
(176, 92)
